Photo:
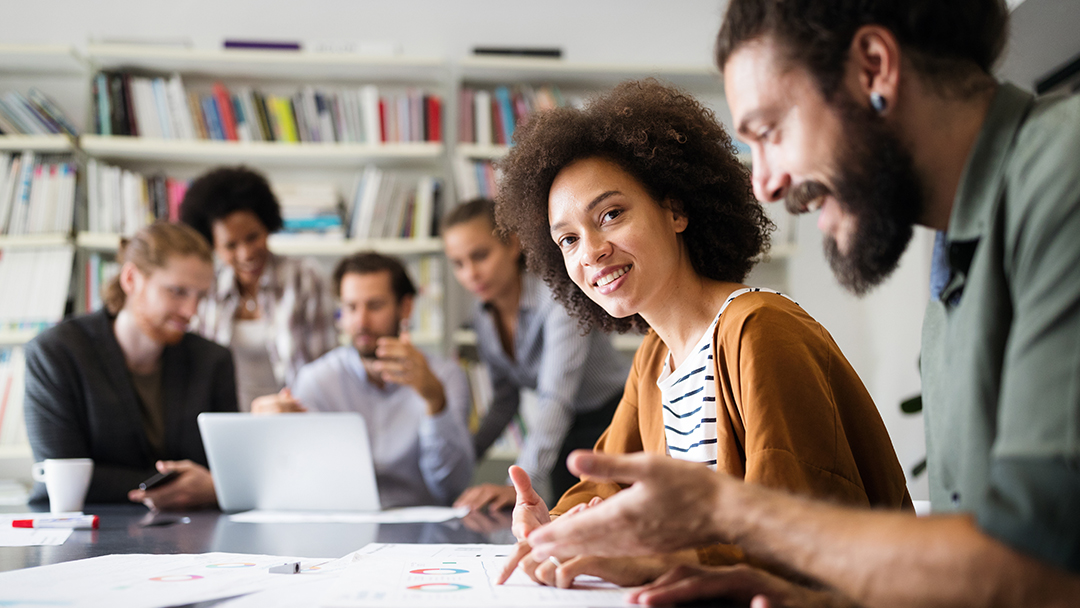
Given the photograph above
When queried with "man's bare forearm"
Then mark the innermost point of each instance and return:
(889, 559)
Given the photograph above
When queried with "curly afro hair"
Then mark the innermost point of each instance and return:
(666, 140)
(223, 191)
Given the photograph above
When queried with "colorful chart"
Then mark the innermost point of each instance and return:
(439, 587)
(439, 571)
(232, 565)
(176, 578)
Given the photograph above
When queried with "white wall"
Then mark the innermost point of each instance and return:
(880, 334)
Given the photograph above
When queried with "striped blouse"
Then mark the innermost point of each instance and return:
(689, 397)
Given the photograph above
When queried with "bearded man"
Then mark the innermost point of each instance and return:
(125, 385)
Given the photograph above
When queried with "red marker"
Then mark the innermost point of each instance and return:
(78, 521)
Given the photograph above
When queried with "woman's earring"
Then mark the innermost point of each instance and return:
(877, 102)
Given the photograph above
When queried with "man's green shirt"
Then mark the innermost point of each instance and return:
(1001, 345)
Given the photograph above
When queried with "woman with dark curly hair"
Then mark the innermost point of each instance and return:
(274, 313)
(637, 214)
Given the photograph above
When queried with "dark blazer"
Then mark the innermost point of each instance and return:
(81, 402)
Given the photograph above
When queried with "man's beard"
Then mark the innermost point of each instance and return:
(369, 352)
(875, 182)
(157, 333)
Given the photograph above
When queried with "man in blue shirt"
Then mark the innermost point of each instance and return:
(416, 406)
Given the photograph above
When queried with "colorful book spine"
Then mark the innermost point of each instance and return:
(224, 107)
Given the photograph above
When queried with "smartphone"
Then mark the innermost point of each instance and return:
(159, 479)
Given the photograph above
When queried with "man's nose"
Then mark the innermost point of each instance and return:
(770, 183)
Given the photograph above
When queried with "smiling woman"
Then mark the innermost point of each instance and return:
(274, 313)
(637, 214)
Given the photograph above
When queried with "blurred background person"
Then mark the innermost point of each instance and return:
(416, 406)
(527, 340)
(125, 385)
(274, 313)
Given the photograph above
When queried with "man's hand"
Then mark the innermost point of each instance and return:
(402, 363)
(193, 488)
(740, 583)
(496, 497)
(669, 507)
(282, 402)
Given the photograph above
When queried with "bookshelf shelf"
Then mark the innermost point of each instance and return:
(29, 241)
(36, 143)
(37, 59)
(476, 151)
(296, 245)
(542, 70)
(276, 65)
(16, 337)
(300, 245)
(265, 153)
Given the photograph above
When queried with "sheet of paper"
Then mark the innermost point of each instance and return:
(156, 581)
(29, 537)
(393, 516)
(418, 576)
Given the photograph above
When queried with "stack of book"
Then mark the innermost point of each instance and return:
(36, 282)
(475, 178)
(12, 374)
(119, 201)
(32, 114)
(37, 193)
(391, 205)
(164, 108)
(489, 118)
(310, 209)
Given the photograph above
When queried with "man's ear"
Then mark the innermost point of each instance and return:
(129, 276)
(873, 68)
(405, 308)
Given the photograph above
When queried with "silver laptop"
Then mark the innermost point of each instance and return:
(290, 462)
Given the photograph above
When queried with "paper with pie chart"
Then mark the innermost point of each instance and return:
(150, 581)
(417, 576)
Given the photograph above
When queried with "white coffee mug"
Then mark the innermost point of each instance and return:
(66, 480)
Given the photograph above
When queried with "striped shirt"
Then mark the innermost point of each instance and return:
(571, 373)
(689, 397)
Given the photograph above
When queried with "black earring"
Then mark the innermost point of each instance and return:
(877, 102)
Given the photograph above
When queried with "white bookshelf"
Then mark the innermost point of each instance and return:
(37, 59)
(32, 241)
(36, 143)
(296, 245)
(482, 152)
(292, 155)
(16, 337)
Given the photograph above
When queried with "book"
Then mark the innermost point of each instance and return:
(223, 105)
(50, 108)
(483, 120)
(505, 113)
(161, 108)
(103, 116)
(466, 114)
